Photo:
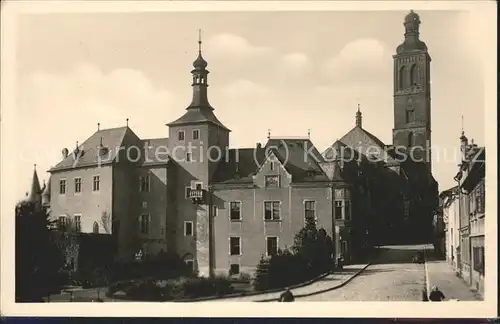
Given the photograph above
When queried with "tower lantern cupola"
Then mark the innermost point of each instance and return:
(200, 84)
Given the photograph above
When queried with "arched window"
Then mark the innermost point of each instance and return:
(401, 77)
(411, 139)
(95, 228)
(414, 74)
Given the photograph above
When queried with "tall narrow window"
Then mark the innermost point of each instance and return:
(414, 75)
(95, 228)
(196, 134)
(271, 210)
(235, 245)
(62, 186)
(96, 183)
(410, 115)
(61, 223)
(271, 165)
(144, 183)
(235, 210)
(347, 210)
(411, 139)
(188, 157)
(180, 135)
(338, 209)
(188, 228)
(144, 223)
(78, 223)
(309, 210)
(271, 245)
(401, 77)
(78, 185)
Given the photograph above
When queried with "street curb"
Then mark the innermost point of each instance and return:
(324, 290)
(253, 293)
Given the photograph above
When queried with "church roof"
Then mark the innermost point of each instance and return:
(365, 142)
(35, 189)
(194, 116)
(87, 153)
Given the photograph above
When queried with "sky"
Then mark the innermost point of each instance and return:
(284, 71)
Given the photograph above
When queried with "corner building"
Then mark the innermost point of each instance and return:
(221, 208)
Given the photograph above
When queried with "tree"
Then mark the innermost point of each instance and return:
(261, 279)
(314, 247)
(37, 258)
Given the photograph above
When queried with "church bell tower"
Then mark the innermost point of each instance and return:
(412, 94)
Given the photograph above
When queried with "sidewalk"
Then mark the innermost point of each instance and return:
(439, 273)
(327, 283)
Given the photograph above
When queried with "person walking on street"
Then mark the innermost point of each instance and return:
(287, 296)
(436, 294)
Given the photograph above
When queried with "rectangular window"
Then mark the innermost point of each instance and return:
(78, 185)
(180, 135)
(235, 210)
(271, 245)
(188, 157)
(188, 228)
(234, 269)
(96, 183)
(271, 210)
(199, 186)
(235, 245)
(347, 210)
(272, 181)
(144, 223)
(188, 190)
(309, 209)
(78, 223)
(338, 209)
(62, 186)
(271, 165)
(61, 223)
(214, 211)
(196, 134)
(144, 184)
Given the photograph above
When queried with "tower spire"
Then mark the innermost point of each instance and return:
(199, 41)
(359, 119)
(200, 84)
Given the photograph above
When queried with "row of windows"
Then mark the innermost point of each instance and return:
(96, 184)
(272, 210)
(181, 135)
(65, 224)
(236, 249)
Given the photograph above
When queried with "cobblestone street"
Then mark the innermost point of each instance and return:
(392, 277)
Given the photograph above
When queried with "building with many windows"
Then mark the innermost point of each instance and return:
(221, 208)
(471, 182)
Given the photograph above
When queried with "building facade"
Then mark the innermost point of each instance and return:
(471, 181)
(221, 208)
(451, 219)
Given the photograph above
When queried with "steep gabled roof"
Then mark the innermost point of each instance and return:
(35, 189)
(155, 151)
(361, 140)
(195, 116)
(298, 157)
(87, 155)
(239, 165)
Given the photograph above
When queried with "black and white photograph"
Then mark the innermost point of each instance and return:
(205, 152)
